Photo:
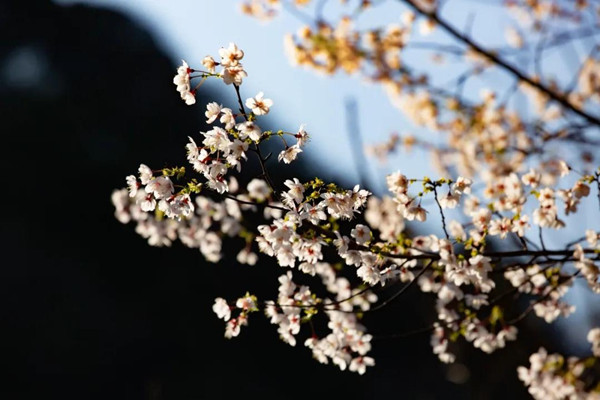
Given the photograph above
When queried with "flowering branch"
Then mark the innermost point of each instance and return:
(349, 244)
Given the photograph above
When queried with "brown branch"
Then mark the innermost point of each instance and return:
(500, 62)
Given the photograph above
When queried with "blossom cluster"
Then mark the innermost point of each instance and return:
(353, 243)
(232, 73)
(551, 376)
(483, 134)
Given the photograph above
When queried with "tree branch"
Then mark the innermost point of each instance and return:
(499, 62)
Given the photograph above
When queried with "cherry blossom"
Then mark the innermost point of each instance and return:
(289, 154)
(338, 249)
(258, 104)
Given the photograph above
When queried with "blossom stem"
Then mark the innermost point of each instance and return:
(441, 212)
(261, 160)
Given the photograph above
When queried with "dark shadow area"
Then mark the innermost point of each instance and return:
(89, 310)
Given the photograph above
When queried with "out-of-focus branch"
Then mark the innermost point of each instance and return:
(598, 184)
(356, 143)
(499, 62)
(573, 83)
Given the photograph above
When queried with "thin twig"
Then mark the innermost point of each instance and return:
(261, 160)
(575, 241)
(541, 238)
(441, 212)
(528, 310)
(598, 184)
(337, 302)
(404, 288)
(459, 320)
(293, 10)
(403, 335)
(253, 203)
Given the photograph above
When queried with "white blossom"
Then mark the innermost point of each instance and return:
(289, 154)
(222, 309)
(213, 110)
(258, 104)
(231, 55)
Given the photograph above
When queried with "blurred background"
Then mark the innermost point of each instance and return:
(89, 310)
